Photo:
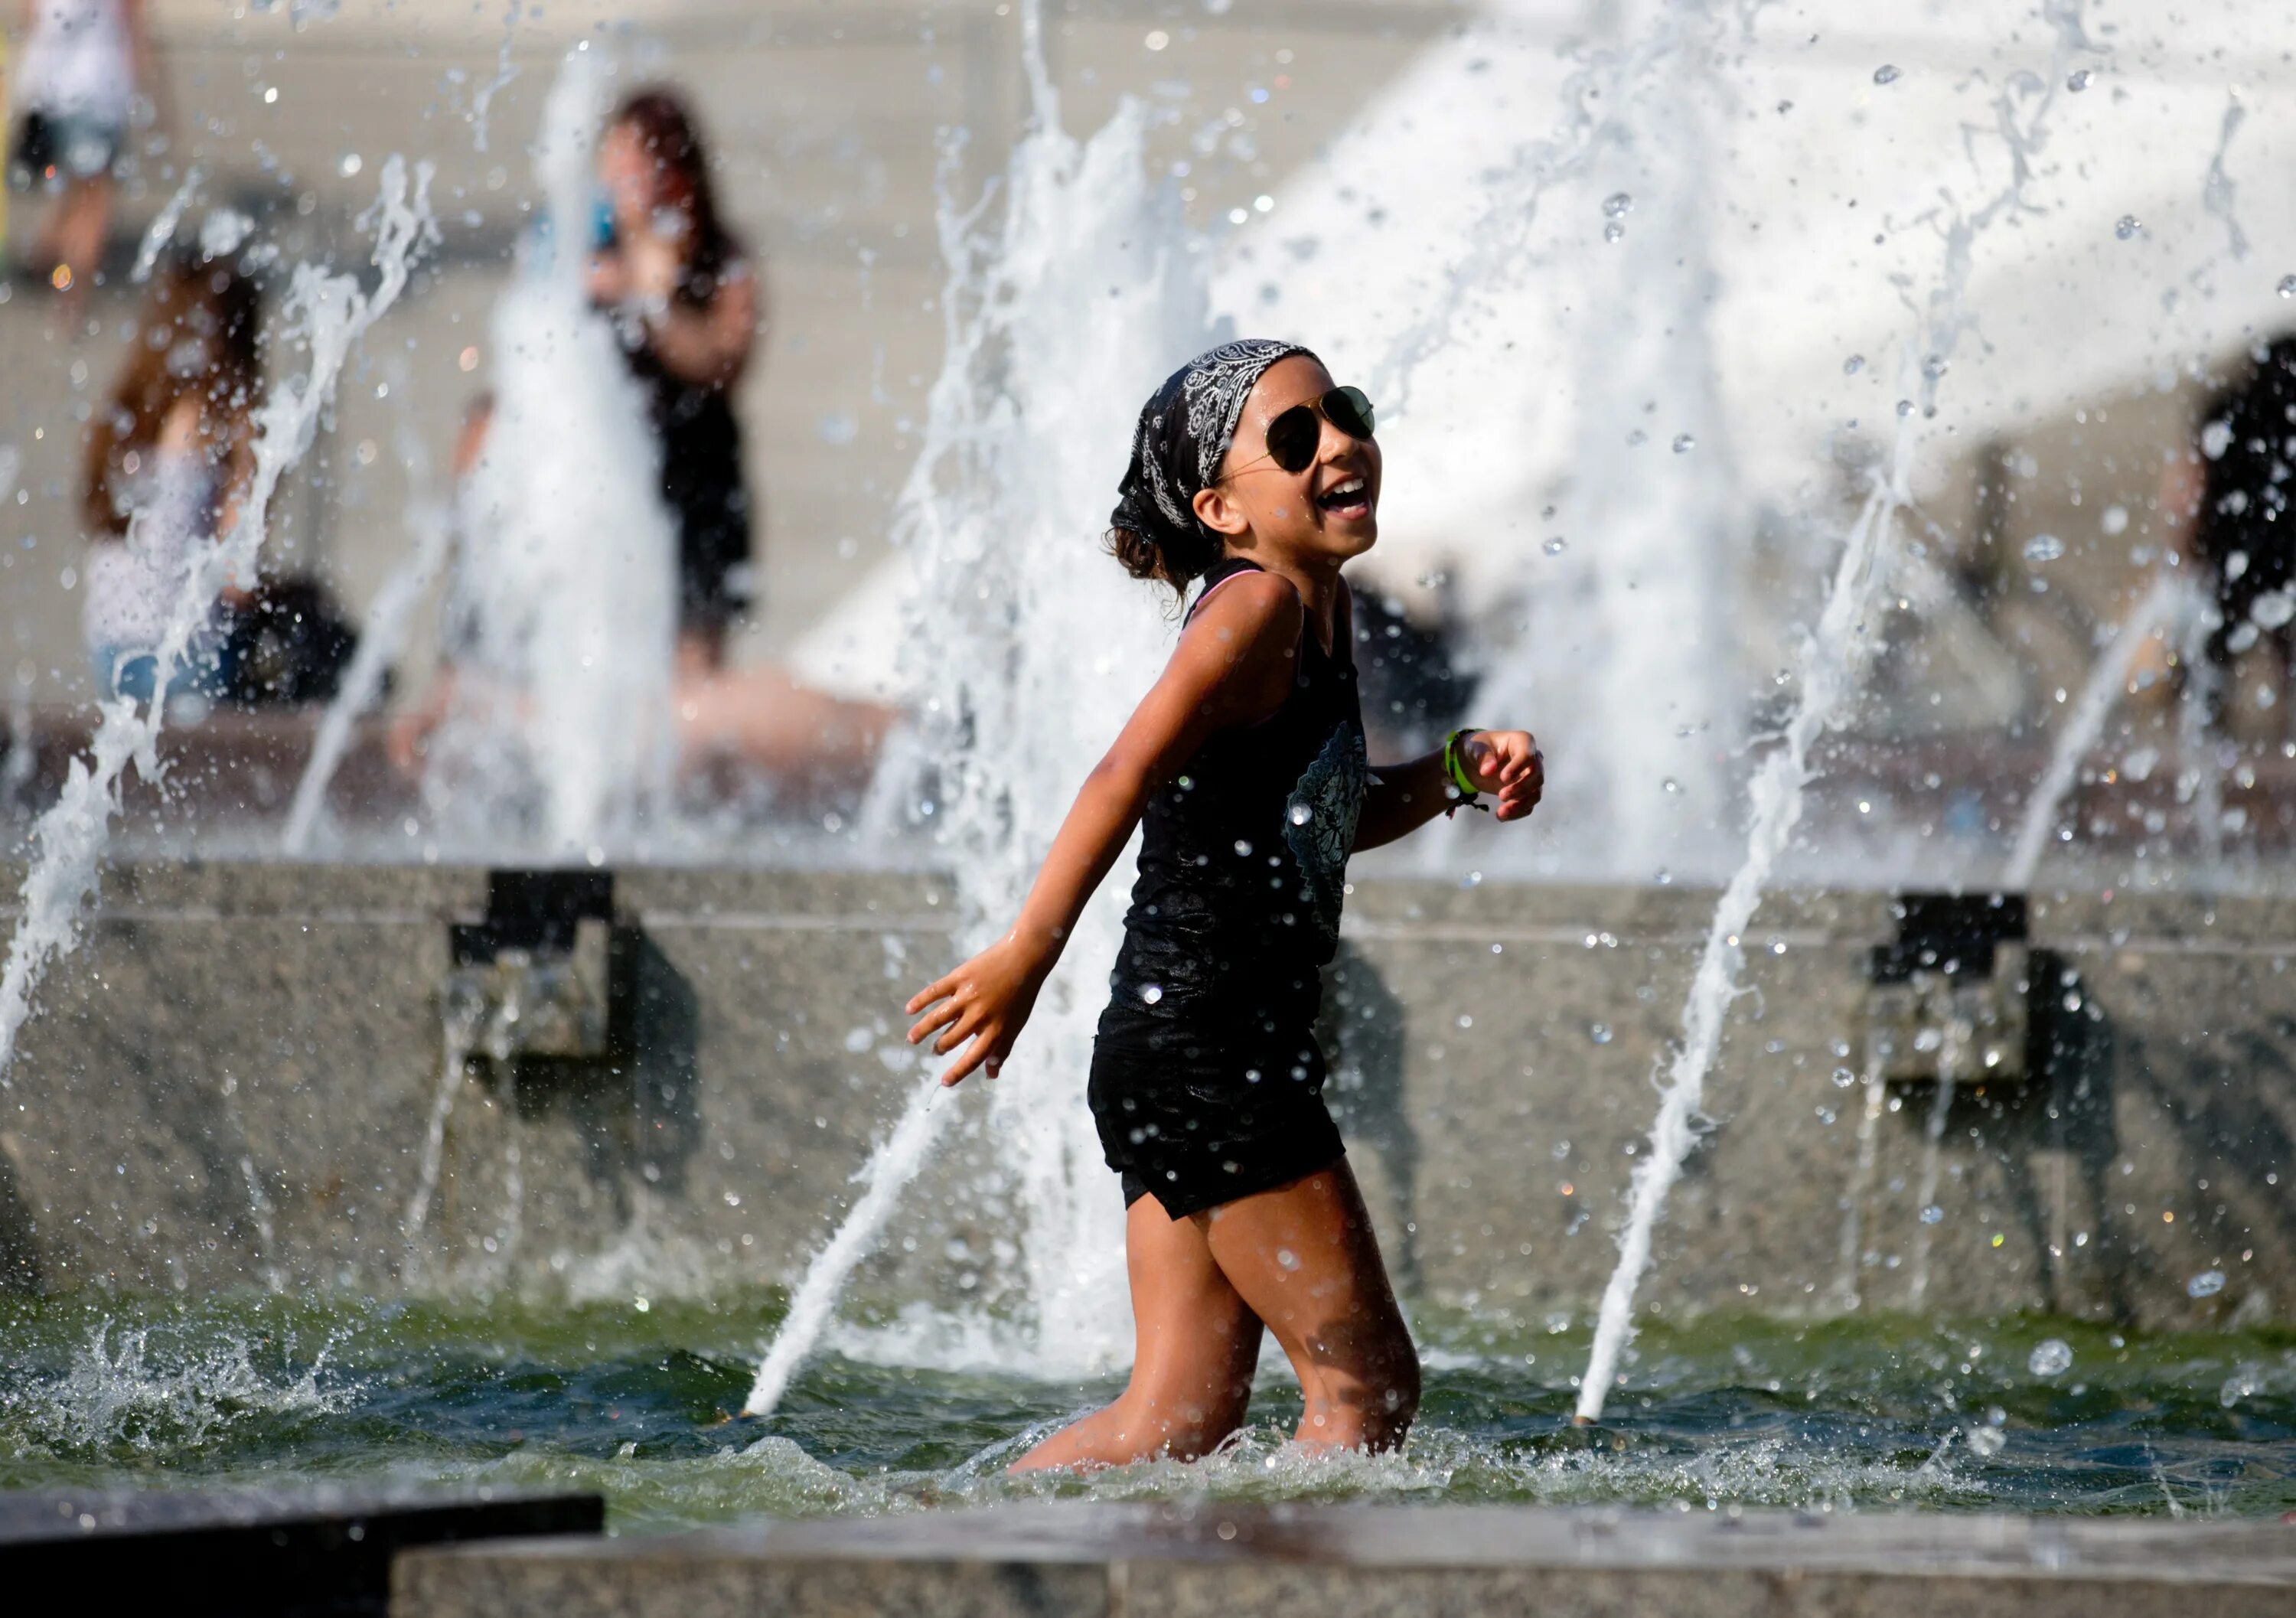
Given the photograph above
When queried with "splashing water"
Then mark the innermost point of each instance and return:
(1032, 646)
(2161, 609)
(379, 641)
(1951, 1038)
(1830, 663)
(327, 315)
(458, 1038)
(162, 228)
(123, 1390)
(890, 1169)
(560, 729)
(1641, 626)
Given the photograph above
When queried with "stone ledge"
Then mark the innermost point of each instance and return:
(291, 1552)
(1115, 1560)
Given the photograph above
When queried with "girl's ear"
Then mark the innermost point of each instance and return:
(1217, 511)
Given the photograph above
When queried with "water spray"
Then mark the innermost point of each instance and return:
(326, 316)
(1830, 663)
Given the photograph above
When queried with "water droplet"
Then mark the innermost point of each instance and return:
(1301, 814)
(1242, 848)
(2126, 226)
(1932, 1215)
(2207, 1283)
(1613, 231)
(2115, 520)
(1843, 1078)
(2043, 547)
(1986, 1443)
(1556, 546)
(2052, 1357)
(350, 164)
(1618, 205)
(1905, 406)
(1670, 785)
(1599, 1033)
(1934, 366)
(2287, 288)
(1853, 364)
(1684, 443)
(1287, 1258)
(1152, 992)
(1885, 74)
(2079, 79)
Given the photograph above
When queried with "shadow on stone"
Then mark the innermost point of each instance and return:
(1365, 1030)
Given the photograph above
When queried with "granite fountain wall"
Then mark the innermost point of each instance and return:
(230, 1083)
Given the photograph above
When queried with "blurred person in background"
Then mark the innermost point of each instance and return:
(756, 718)
(2226, 503)
(82, 77)
(169, 457)
(683, 298)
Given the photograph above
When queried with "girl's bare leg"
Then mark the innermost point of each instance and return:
(81, 219)
(1303, 1259)
(1196, 1345)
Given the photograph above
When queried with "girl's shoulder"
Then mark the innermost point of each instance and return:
(1251, 602)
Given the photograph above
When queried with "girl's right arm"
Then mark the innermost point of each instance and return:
(1234, 666)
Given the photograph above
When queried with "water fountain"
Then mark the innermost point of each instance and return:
(1944, 1185)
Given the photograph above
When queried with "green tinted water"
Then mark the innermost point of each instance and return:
(1872, 1413)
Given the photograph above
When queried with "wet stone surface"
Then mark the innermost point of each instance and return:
(1069, 1559)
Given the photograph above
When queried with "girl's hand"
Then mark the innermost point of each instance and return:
(655, 263)
(610, 279)
(986, 1000)
(1508, 765)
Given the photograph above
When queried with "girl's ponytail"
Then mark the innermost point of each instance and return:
(1160, 560)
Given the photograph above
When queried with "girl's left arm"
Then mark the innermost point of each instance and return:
(1502, 763)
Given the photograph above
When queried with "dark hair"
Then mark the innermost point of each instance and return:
(197, 341)
(666, 130)
(1170, 561)
(1183, 436)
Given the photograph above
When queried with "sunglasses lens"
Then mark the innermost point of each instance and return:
(1349, 410)
(1292, 438)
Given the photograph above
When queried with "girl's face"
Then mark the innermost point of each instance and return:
(1325, 515)
(646, 192)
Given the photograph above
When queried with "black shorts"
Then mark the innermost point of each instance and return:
(62, 148)
(1202, 1116)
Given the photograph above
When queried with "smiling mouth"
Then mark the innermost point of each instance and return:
(1345, 495)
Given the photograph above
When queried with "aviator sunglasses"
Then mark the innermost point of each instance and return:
(1293, 435)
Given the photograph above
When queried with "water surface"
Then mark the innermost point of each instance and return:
(1870, 1414)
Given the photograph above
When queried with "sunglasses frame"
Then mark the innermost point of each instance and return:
(1318, 409)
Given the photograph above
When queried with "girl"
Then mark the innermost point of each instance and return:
(685, 304)
(1253, 474)
(174, 448)
(76, 94)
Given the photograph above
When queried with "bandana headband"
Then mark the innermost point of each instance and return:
(1184, 430)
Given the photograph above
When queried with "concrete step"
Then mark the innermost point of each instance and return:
(1099, 1561)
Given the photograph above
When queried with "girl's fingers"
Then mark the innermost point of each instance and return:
(965, 1064)
(939, 1016)
(926, 995)
(964, 1029)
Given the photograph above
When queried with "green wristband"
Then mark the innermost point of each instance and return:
(1455, 768)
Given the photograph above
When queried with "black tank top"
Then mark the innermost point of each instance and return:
(1244, 856)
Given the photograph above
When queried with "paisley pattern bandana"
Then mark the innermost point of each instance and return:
(1184, 429)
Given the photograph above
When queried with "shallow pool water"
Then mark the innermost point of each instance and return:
(1869, 1413)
